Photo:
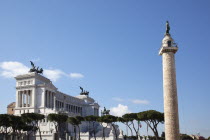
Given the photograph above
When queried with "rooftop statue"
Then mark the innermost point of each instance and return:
(83, 92)
(105, 112)
(81, 89)
(167, 28)
(34, 69)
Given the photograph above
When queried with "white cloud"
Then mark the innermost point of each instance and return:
(53, 75)
(140, 102)
(119, 110)
(76, 75)
(10, 69)
(117, 99)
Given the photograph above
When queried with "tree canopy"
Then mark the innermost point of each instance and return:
(131, 117)
(33, 119)
(59, 121)
(152, 118)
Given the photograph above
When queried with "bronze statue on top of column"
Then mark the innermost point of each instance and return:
(167, 28)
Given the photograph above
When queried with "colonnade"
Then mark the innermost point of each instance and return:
(24, 98)
(96, 112)
(49, 99)
(68, 107)
(73, 108)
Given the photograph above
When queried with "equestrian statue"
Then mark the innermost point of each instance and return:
(105, 112)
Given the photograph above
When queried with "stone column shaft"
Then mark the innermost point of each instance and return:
(21, 104)
(54, 101)
(30, 98)
(51, 99)
(26, 93)
(18, 99)
(46, 98)
(170, 97)
(22, 98)
(33, 95)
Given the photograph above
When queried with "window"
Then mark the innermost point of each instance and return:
(169, 43)
(20, 83)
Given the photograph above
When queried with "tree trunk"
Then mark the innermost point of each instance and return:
(28, 136)
(40, 135)
(6, 134)
(135, 130)
(130, 130)
(89, 129)
(75, 135)
(57, 131)
(79, 131)
(94, 130)
(156, 134)
(115, 131)
(13, 134)
(139, 136)
(103, 133)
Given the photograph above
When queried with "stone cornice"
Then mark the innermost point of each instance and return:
(168, 49)
(32, 75)
(25, 87)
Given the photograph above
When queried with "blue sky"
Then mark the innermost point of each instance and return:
(112, 48)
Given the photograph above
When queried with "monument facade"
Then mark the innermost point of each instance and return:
(36, 94)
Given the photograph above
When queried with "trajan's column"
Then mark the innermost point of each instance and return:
(168, 50)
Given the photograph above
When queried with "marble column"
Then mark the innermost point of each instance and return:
(18, 99)
(22, 98)
(45, 98)
(54, 101)
(47, 95)
(30, 99)
(26, 93)
(33, 95)
(49, 99)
